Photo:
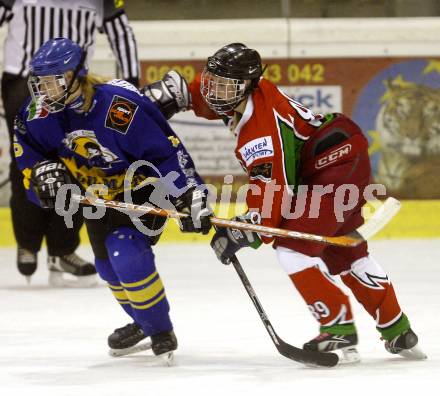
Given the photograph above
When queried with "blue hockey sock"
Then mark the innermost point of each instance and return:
(105, 271)
(133, 262)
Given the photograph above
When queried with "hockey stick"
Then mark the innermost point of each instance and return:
(326, 359)
(379, 219)
(287, 350)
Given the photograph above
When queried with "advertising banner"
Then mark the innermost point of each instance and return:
(395, 101)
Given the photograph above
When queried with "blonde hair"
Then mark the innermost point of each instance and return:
(87, 84)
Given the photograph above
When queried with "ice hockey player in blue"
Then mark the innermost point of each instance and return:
(79, 128)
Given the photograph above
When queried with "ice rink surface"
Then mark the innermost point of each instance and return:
(53, 341)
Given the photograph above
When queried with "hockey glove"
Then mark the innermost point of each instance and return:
(170, 94)
(46, 178)
(228, 241)
(194, 203)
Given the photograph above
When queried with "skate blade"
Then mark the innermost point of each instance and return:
(56, 279)
(414, 353)
(163, 360)
(166, 358)
(131, 350)
(349, 355)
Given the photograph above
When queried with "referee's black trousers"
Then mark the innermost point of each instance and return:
(31, 223)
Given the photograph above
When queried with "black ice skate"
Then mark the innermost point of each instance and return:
(163, 345)
(125, 340)
(164, 342)
(326, 342)
(26, 262)
(81, 272)
(406, 345)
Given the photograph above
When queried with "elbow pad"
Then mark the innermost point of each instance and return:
(170, 94)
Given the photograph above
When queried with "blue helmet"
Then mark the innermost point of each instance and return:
(48, 83)
(57, 56)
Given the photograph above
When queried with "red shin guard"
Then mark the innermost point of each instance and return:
(377, 297)
(327, 302)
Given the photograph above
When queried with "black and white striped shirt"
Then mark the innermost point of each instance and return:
(32, 22)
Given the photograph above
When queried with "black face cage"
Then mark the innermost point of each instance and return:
(222, 94)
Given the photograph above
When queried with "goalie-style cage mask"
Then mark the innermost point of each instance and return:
(47, 81)
(229, 76)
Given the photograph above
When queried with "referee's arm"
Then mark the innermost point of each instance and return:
(5, 11)
(122, 40)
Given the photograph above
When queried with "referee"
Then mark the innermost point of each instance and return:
(31, 23)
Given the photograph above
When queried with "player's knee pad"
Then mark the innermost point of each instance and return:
(368, 282)
(130, 254)
(105, 271)
(369, 272)
(294, 262)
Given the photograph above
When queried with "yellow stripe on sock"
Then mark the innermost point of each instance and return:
(146, 306)
(120, 295)
(139, 296)
(115, 287)
(141, 282)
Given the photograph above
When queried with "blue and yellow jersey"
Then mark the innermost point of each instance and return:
(121, 127)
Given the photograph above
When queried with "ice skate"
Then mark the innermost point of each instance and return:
(163, 345)
(406, 345)
(126, 341)
(26, 262)
(71, 271)
(343, 345)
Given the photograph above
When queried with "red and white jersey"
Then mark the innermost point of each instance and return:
(270, 134)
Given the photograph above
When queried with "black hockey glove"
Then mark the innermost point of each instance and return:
(228, 241)
(46, 178)
(194, 203)
(170, 94)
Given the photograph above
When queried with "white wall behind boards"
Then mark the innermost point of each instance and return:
(278, 38)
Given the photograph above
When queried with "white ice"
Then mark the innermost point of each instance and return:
(53, 341)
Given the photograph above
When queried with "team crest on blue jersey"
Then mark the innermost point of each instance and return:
(120, 114)
(85, 144)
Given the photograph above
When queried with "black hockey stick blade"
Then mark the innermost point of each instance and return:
(311, 358)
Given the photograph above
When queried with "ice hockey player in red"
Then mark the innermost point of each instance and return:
(282, 145)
